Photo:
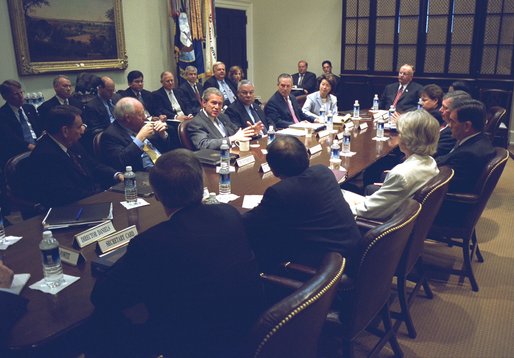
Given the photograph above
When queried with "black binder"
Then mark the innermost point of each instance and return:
(77, 215)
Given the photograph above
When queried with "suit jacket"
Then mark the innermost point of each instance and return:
(408, 100)
(239, 116)
(400, 184)
(189, 98)
(96, 116)
(119, 150)
(210, 295)
(45, 107)
(446, 142)
(205, 135)
(468, 161)
(277, 111)
(308, 83)
(213, 82)
(162, 102)
(313, 104)
(59, 181)
(302, 217)
(11, 134)
(147, 99)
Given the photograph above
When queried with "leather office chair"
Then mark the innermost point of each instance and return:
(184, 136)
(17, 180)
(430, 196)
(495, 117)
(97, 150)
(366, 295)
(455, 223)
(300, 314)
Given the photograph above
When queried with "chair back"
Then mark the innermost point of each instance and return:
(431, 197)
(183, 135)
(495, 117)
(97, 151)
(291, 327)
(381, 249)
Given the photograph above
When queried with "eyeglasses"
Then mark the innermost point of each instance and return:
(246, 93)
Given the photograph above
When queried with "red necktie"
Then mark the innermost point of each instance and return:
(291, 110)
(398, 95)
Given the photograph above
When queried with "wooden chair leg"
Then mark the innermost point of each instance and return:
(404, 306)
(476, 249)
(468, 269)
(423, 278)
(388, 328)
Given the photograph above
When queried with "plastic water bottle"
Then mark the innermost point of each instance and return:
(322, 114)
(330, 121)
(392, 109)
(211, 200)
(225, 152)
(130, 185)
(356, 109)
(375, 102)
(271, 134)
(334, 149)
(346, 141)
(224, 185)
(40, 99)
(380, 128)
(51, 258)
(420, 103)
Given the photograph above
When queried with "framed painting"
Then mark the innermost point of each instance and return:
(67, 35)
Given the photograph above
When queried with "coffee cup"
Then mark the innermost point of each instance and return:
(243, 144)
(335, 163)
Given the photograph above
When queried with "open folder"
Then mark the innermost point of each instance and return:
(77, 215)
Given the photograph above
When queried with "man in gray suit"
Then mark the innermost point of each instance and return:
(209, 127)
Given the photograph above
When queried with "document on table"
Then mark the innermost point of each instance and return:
(18, 283)
(251, 201)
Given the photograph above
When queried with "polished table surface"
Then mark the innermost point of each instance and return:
(49, 316)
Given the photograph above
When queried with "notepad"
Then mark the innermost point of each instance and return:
(77, 215)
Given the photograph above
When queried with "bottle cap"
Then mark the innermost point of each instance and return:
(47, 234)
(356, 103)
(128, 168)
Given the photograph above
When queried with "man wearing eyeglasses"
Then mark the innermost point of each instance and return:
(63, 171)
(246, 111)
(404, 94)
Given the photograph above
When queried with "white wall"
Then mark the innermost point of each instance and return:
(146, 38)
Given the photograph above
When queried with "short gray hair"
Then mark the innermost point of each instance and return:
(419, 132)
(456, 96)
(210, 91)
(124, 106)
(244, 83)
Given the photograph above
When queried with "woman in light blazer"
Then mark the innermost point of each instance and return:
(322, 98)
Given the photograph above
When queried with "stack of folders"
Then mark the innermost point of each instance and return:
(77, 215)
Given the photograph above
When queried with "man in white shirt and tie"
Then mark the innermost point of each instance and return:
(219, 81)
(404, 94)
(168, 100)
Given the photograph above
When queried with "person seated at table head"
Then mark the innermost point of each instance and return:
(130, 140)
(431, 98)
(19, 123)
(418, 136)
(236, 74)
(6, 276)
(246, 111)
(218, 80)
(304, 215)
(210, 295)
(136, 90)
(63, 170)
(473, 148)
(192, 91)
(168, 100)
(304, 79)
(63, 96)
(210, 127)
(321, 99)
(446, 140)
(403, 94)
(282, 108)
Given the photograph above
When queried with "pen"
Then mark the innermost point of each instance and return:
(79, 213)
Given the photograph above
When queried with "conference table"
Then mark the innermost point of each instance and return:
(51, 316)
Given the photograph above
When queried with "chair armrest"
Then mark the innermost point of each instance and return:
(299, 268)
(367, 224)
(465, 198)
(281, 281)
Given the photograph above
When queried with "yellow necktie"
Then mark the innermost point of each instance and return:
(151, 153)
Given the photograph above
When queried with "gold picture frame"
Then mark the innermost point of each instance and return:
(63, 35)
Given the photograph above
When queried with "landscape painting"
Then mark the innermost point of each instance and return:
(57, 35)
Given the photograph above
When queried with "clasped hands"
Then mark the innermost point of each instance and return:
(150, 128)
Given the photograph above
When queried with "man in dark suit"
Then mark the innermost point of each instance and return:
(304, 215)
(63, 96)
(404, 94)
(19, 123)
(209, 127)
(473, 149)
(223, 84)
(168, 100)
(210, 296)
(131, 141)
(304, 79)
(246, 111)
(135, 90)
(99, 111)
(282, 108)
(192, 91)
(64, 172)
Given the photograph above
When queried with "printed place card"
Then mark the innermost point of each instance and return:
(241, 162)
(316, 149)
(94, 234)
(117, 239)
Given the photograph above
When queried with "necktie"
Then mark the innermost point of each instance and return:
(229, 95)
(291, 110)
(140, 98)
(255, 115)
(150, 151)
(27, 133)
(197, 94)
(398, 95)
(66, 102)
(300, 78)
(110, 106)
(174, 103)
(76, 162)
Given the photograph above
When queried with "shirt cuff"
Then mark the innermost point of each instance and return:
(138, 143)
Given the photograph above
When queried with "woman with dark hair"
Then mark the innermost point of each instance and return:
(432, 99)
(322, 98)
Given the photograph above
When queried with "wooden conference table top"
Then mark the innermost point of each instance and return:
(49, 316)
